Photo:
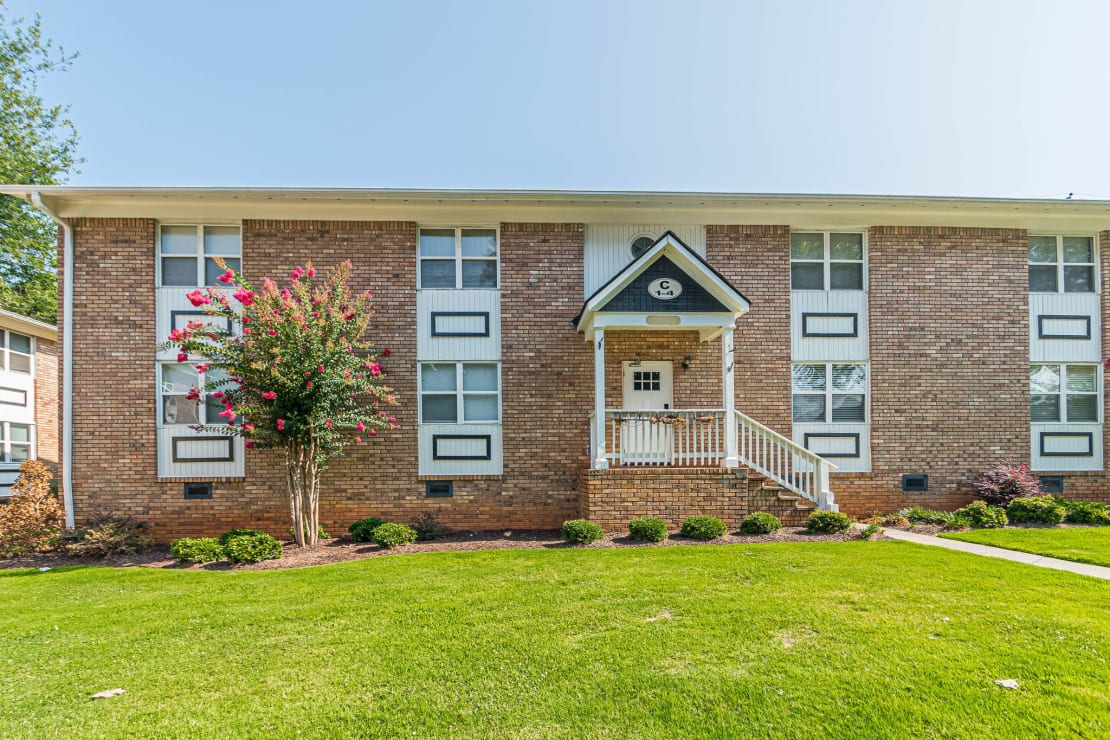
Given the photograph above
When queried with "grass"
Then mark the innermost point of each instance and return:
(858, 639)
(1080, 544)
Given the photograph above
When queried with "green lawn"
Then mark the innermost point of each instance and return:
(1081, 544)
(858, 639)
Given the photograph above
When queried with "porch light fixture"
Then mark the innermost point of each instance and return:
(686, 362)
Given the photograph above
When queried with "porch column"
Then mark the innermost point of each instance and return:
(728, 363)
(597, 434)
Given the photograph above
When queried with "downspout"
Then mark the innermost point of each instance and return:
(67, 357)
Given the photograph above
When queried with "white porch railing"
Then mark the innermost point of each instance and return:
(784, 461)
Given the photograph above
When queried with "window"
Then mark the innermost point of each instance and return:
(826, 261)
(1067, 261)
(640, 245)
(452, 392)
(1064, 393)
(174, 404)
(646, 380)
(15, 352)
(186, 254)
(16, 442)
(458, 258)
(832, 392)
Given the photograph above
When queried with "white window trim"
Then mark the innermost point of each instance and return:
(6, 443)
(6, 352)
(1063, 394)
(199, 255)
(1059, 264)
(827, 260)
(459, 259)
(459, 392)
(828, 393)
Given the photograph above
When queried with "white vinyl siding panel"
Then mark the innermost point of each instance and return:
(828, 312)
(832, 441)
(457, 442)
(473, 304)
(198, 458)
(1066, 447)
(1074, 306)
(608, 247)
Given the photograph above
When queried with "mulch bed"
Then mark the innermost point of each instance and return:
(342, 548)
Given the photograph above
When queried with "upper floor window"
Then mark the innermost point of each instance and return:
(458, 258)
(830, 392)
(1061, 264)
(826, 261)
(452, 392)
(186, 254)
(1063, 393)
(15, 352)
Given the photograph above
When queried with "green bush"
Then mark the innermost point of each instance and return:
(1085, 512)
(428, 527)
(107, 535)
(894, 521)
(321, 533)
(870, 531)
(581, 531)
(252, 548)
(981, 515)
(203, 550)
(703, 527)
(390, 535)
(828, 522)
(760, 523)
(1036, 510)
(238, 533)
(918, 515)
(363, 529)
(647, 529)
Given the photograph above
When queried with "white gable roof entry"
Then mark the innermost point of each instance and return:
(728, 304)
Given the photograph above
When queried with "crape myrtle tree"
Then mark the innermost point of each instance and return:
(298, 374)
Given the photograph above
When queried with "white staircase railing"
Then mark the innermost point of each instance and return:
(784, 461)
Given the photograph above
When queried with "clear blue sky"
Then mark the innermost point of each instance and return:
(1007, 98)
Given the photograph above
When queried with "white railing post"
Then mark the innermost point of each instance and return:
(728, 386)
(599, 459)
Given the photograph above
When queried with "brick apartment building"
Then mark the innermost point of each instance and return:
(564, 354)
(28, 395)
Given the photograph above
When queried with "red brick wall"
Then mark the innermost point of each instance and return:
(48, 421)
(612, 498)
(699, 386)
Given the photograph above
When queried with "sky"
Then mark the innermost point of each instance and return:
(929, 97)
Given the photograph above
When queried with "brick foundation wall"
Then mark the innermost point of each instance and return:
(612, 498)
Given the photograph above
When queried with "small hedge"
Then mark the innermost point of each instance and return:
(760, 523)
(1036, 510)
(390, 535)
(252, 548)
(647, 529)
(918, 515)
(363, 529)
(1005, 482)
(828, 522)
(1085, 512)
(703, 527)
(581, 532)
(202, 550)
(981, 515)
(238, 533)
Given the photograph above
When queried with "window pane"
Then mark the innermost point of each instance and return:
(1042, 249)
(1079, 279)
(180, 410)
(1044, 408)
(437, 377)
(437, 273)
(20, 363)
(1082, 408)
(807, 246)
(213, 271)
(846, 276)
(479, 274)
(213, 408)
(179, 271)
(848, 407)
(808, 377)
(1044, 379)
(1081, 379)
(437, 242)
(480, 408)
(439, 408)
(1077, 249)
(807, 276)
(1042, 279)
(809, 408)
(178, 378)
(179, 240)
(846, 247)
(20, 432)
(479, 377)
(20, 453)
(221, 240)
(479, 242)
(849, 377)
(19, 343)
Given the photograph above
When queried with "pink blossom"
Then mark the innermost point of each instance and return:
(249, 445)
(193, 394)
(198, 298)
(285, 294)
(358, 440)
(387, 352)
(269, 395)
(311, 272)
(373, 432)
(393, 420)
(360, 426)
(272, 332)
(182, 357)
(228, 414)
(296, 274)
(246, 319)
(277, 312)
(327, 423)
(281, 425)
(217, 394)
(203, 367)
(249, 427)
(176, 335)
(246, 297)
(308, 384)
(315, 314)
(375, 369)
(246, 332)
(349, 316)
(227, 277)
(320, 369)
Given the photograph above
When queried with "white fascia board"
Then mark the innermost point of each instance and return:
(710, 324)
(26, 325)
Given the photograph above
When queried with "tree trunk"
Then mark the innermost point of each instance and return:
(303, 479)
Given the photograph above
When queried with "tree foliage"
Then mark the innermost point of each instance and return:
(38, 146)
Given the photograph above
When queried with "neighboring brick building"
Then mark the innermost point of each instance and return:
(28, 395)
(563, 354)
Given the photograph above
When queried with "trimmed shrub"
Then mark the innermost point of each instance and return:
(981, 515)
(918, 515)
(363, 529)
(108, 535)
(390, 535)
(202, 550)
(1004, 482)
(828, 522)
(647, 529)
(894, 521)
(33, 517)
(428, 527)
(760, 523)
(1036, 510)
(252, 548)
(581, 531)
(238, 533)
(870, 531)
(1085, 512)
(321, 534)
(703, 527)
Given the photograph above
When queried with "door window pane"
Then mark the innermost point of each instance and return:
(807, 246)
(437, 243)
(846, 247)
(479, 243)
(438, 377)
(222, 240)
(809, 407)
(1045, 408)
(179, 271)
(479, 407)
(479, 274)
(439, 408)
(807, 276)
(1077, 249)
(808, 377)
(179, 240)
(1079, 279)
(846, 276)
(479, 377)
(437, 274)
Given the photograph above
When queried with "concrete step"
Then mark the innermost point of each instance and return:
(785, 495)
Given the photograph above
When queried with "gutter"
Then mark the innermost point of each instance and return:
(35, 198)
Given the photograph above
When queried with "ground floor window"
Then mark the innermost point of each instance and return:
(16, 442)
(830, 392)
(180, 400)
(1063, 393)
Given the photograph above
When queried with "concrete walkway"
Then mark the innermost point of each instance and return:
(1096, 571)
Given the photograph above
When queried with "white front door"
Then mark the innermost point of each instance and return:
(648, 387)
